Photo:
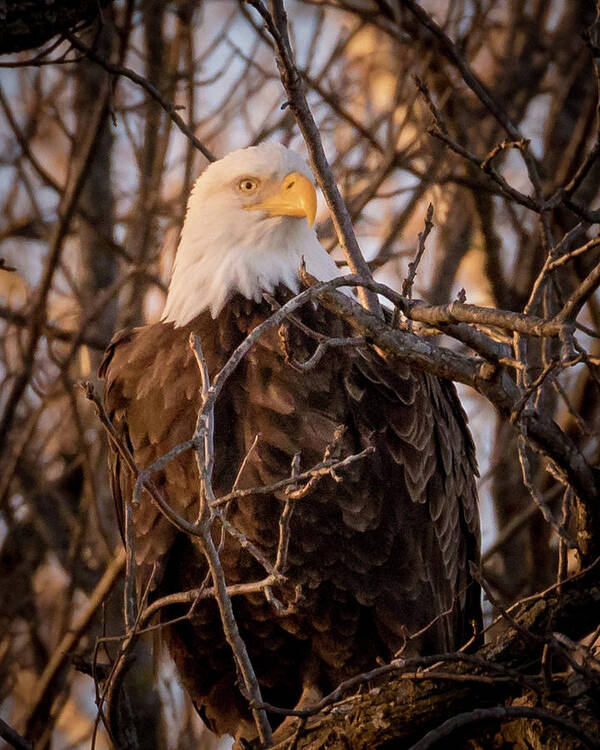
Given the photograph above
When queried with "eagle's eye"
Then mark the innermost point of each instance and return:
(248, 185)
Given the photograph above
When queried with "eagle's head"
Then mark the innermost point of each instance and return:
(248, 224)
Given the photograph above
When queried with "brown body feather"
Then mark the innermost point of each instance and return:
(378, 555)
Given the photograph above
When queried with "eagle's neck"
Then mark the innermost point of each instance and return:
(214, 264)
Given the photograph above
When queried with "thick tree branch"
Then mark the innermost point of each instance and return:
(401, 708)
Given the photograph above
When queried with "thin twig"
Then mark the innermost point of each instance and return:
(76, 631)
(205, 459)
(148, 87)
(536, 496)
(408, 282)
(322, 469)
(13, 738)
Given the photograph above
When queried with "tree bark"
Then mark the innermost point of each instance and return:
(397, 711)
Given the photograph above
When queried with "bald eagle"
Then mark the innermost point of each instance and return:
(378, 553)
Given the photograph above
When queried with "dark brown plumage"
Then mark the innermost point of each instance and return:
(378, 555)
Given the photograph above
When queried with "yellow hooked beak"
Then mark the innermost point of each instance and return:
(297, 197)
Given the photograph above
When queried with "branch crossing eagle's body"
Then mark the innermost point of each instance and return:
(376, 553)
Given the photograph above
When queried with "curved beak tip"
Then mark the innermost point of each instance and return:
(310, 215)
(309, 201)
(299, 196)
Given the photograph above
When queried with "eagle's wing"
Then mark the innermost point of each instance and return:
(152, 408)
(152, 397)
(399, 531)
(114, 459)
